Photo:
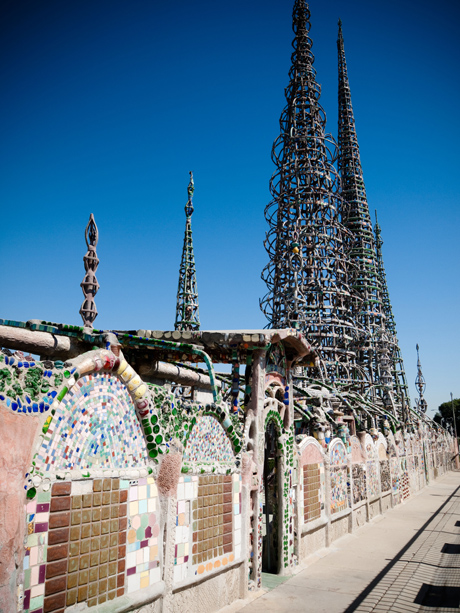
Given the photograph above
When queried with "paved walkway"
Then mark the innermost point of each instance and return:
(406, 561)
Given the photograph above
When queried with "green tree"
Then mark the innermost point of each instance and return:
(445, 413)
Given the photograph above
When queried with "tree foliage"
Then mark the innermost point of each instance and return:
(444, 414)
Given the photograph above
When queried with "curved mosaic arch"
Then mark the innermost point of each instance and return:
(84, 379)
(276, 418)
(339, 473)
(310, 450)
(357, 452)
(208, 442)
(95, 425)
(337, 453)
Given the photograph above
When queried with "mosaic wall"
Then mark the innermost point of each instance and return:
(373, 481)
(372, 477)
(394, 467)
(90, 541)
(404, 480)
(359, 483)
(339, 479)
(313, 488)
(208, 524)
(208, 442)
(338, 455)
(94, 425)
(385, 475)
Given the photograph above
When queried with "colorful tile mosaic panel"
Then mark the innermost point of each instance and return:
(394, 466)
(144, 542)
(385, 476)
(34, 568)
(90, 542)
(86, 544)
(359, 483)
(212, 516)
(95, 425)
(373, 484)
(313, 491)
(404, 484)
(338, 455)
(208, 442)
(339, 489)
(208, 530)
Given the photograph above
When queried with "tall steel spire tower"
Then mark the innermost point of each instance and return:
(397, 364)
(420, 385)
(308, 272)
(373, 352)
(187, 315)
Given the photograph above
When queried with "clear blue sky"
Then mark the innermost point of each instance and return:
(106, 106)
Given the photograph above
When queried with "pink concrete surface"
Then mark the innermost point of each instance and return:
(169, 473)
(18, 433)
(311, 455)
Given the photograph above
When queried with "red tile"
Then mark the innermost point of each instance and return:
(59, 520)
(123, 522)
(57, 552)
(53, 569)
(57, 601)
(59, 535)
(61, 489)
(60, 504)
(52, 586)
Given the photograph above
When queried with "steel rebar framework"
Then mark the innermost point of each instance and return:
(308, 272)
(421, 404)
(187, 315)
(401, 390)
(373, 350)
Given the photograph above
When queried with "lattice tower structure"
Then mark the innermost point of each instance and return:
(398, 373)
(308, 272)
(373, 348)
(420, 385)
(187, 310)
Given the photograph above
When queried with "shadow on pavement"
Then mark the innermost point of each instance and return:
(428, 593)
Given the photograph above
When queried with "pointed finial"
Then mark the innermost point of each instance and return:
(420, 385)
(89, 285)
(190, 189)
(339, 23)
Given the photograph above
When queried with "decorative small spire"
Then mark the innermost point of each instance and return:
(89, 285)
(187, 315)
(420, 385)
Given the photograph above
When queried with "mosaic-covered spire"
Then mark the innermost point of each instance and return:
(89, 285)
(187, 315)
(420, 385)
(397, 364)
(308, 272)
(373, 354)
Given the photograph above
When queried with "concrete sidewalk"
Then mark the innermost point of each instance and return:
(403, 561)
